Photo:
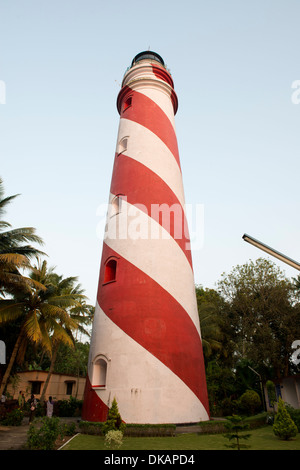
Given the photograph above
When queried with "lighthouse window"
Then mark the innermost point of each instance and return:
(122, 145)
(127, 103)
(116, 206)
(99, 373)
(110, 271)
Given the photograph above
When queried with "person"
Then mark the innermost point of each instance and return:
(50, 407)
(32, 404)
(21, 399)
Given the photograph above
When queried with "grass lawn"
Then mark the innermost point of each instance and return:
(261, 439)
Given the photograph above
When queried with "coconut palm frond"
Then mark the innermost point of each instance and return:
(46, 340)
(64, 300)
(60, 334)
(13, 259)
(57, 313)
(31, 327)
(10, 310)
(20, 235)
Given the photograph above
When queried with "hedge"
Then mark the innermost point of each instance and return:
(158, 430)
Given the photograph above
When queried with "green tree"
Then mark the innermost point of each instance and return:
(71, 295)
(261, 315)
(284, 427)
(72, 360)
(114, 420)
(220, 387)
(271, 393)
(236, 426)
(208, 302)
(15, 252)
(41, 312)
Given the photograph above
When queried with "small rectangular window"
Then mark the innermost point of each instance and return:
(122, 145)
(116, 205)
(110, 271)
(69, 388)
(36, 387)
(127, 103)
(99, 373)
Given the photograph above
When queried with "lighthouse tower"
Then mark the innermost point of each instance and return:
(146, 349)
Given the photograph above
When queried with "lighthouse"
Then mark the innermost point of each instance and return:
(146, 349)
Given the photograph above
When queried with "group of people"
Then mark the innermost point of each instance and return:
(33, 405)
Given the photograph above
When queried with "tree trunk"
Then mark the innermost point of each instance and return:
(11, 363)
(51, 368)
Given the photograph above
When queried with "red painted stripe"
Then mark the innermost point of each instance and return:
(154, 319)
(162, 74)
(93, 409)
(143, 187)
(146, 112)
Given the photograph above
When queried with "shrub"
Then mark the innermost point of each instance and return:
(97, 428)
(68, 429)
(13, 418)
(284, 427)
(250, 402)
(68, 408)
(113, 439)
(228, 406)
(91, 427)
(40, 409)
(114, 420)
(44, 437)
(294, 414)
(158, 430)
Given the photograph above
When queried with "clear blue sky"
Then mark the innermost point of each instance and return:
(233, 65)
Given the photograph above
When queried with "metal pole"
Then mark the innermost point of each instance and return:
(271, 251)
(261, 387)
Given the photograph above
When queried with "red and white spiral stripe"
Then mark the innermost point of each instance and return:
(146, 328)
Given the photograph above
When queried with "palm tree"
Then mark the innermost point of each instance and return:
(209, 302)
(82, 313)
(210, 330)
(74, 303)
(42, 311)
(14, 254)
